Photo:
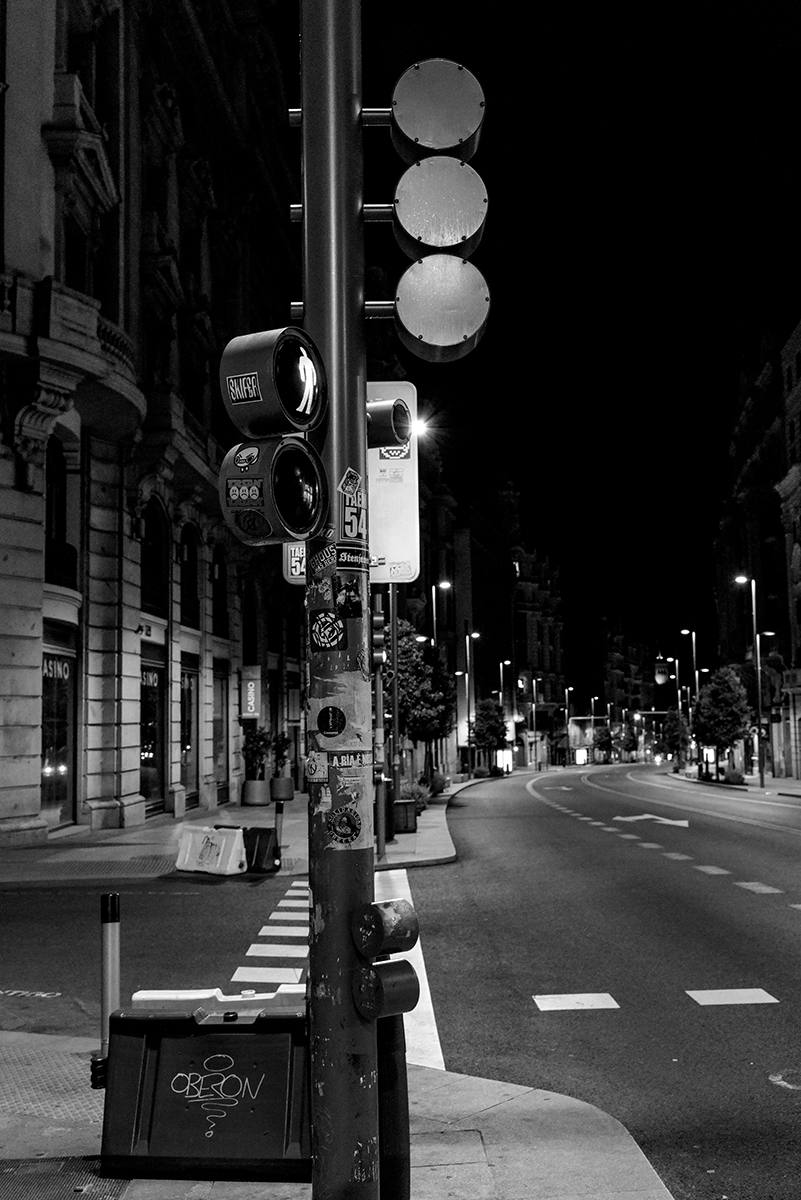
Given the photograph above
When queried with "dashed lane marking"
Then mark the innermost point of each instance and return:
(712, 870)
(651, 846)
(575, 1000)
(733, 996)
(761, 889)
(630, 837)
(677, 857)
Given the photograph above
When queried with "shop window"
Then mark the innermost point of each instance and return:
(190, 594)
(58, 737)
(219, 594)
(155, 560)
(151, 736)
(190, 686)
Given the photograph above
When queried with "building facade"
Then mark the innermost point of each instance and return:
(146, 197)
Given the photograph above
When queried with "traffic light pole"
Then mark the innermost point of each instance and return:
(344, 1091)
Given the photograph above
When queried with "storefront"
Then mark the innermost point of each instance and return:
(152, 731)
(58, 727)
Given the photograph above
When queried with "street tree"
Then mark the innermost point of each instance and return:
(675, 737)
(489, 729)
(602, 743)
(722, 714)
(426, 695)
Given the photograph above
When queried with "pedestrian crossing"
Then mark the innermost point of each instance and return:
(277, 963)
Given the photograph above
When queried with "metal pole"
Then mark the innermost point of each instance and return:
(110, 963)
(758, 656)
(467, 698)
(344, 1092)
(434, 615)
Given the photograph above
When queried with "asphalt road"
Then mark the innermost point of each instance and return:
(681, 943)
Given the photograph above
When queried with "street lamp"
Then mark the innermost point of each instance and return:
(443, 585)
(568, 690)
(592, 725)
(691, 633)
(468, 637)
(760, 759)
(504, 662)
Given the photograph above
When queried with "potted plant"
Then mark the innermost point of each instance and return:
(256, 745)
(282, 787)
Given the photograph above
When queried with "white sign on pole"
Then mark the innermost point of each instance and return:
(392, 496)
(392, 500)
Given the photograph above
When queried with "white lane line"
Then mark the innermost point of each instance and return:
(420, 1027)
(600, 824)
(267, 975)
(677, 857)
(574, 1000)
(794, 905)
(286, 950)
(761, 889)
(650, 846)
(283, 915)
(609, 829)
(630, 837)
(733, 996)
(293, 931)
(585, 818)
(712, 870)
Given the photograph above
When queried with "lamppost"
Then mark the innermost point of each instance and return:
(443, 585)
(592, 725)
(504, 662)
(568, 690)
(760, 758)
(468, 637)
(691, 633)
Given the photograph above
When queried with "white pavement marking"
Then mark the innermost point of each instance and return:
(733, 996)
(761, 889)
(293, 904)
(285, 950)
(283, 915)
(422, 1039)
(674, 854)
(712, 870)
(585, 818)
(293, 931)
(651, 817)
(574, 1000)
(267, 975)
(600, 824)
(630, 837)
(609, 829)
(794, 906)
(650, 846)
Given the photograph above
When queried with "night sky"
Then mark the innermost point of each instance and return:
(643, 235)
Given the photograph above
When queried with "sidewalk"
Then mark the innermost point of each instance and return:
(471, 1139)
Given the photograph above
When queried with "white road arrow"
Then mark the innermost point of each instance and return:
(651, 817)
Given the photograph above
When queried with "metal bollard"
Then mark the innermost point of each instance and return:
(110, 963)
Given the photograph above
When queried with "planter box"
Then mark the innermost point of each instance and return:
(405, 816)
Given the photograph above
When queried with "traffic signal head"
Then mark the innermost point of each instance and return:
(378, 635)
(273, 490)
(273, 382)
(437, 108)
(389, 423)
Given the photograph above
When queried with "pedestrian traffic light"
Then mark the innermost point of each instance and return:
(389, 987)
(378, 635)
(442, 300)
(273, 486)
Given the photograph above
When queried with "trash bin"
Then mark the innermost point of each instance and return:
(198, 1094)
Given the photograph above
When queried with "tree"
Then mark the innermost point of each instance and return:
(722, 714)
(425, 695)
(489, 728)
(675, 737)
(602, 743)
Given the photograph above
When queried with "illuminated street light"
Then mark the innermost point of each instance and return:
(760, 757)
(443, 585)
(469, 635)
(691, 633)
(592, 725)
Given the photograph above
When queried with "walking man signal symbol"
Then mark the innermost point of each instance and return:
(308, 377)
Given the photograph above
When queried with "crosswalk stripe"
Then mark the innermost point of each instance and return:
(267, 975)
(295, 931)
(285, 915)
(293, 904)
(712, 870)
(761, 889)
(285, 950)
